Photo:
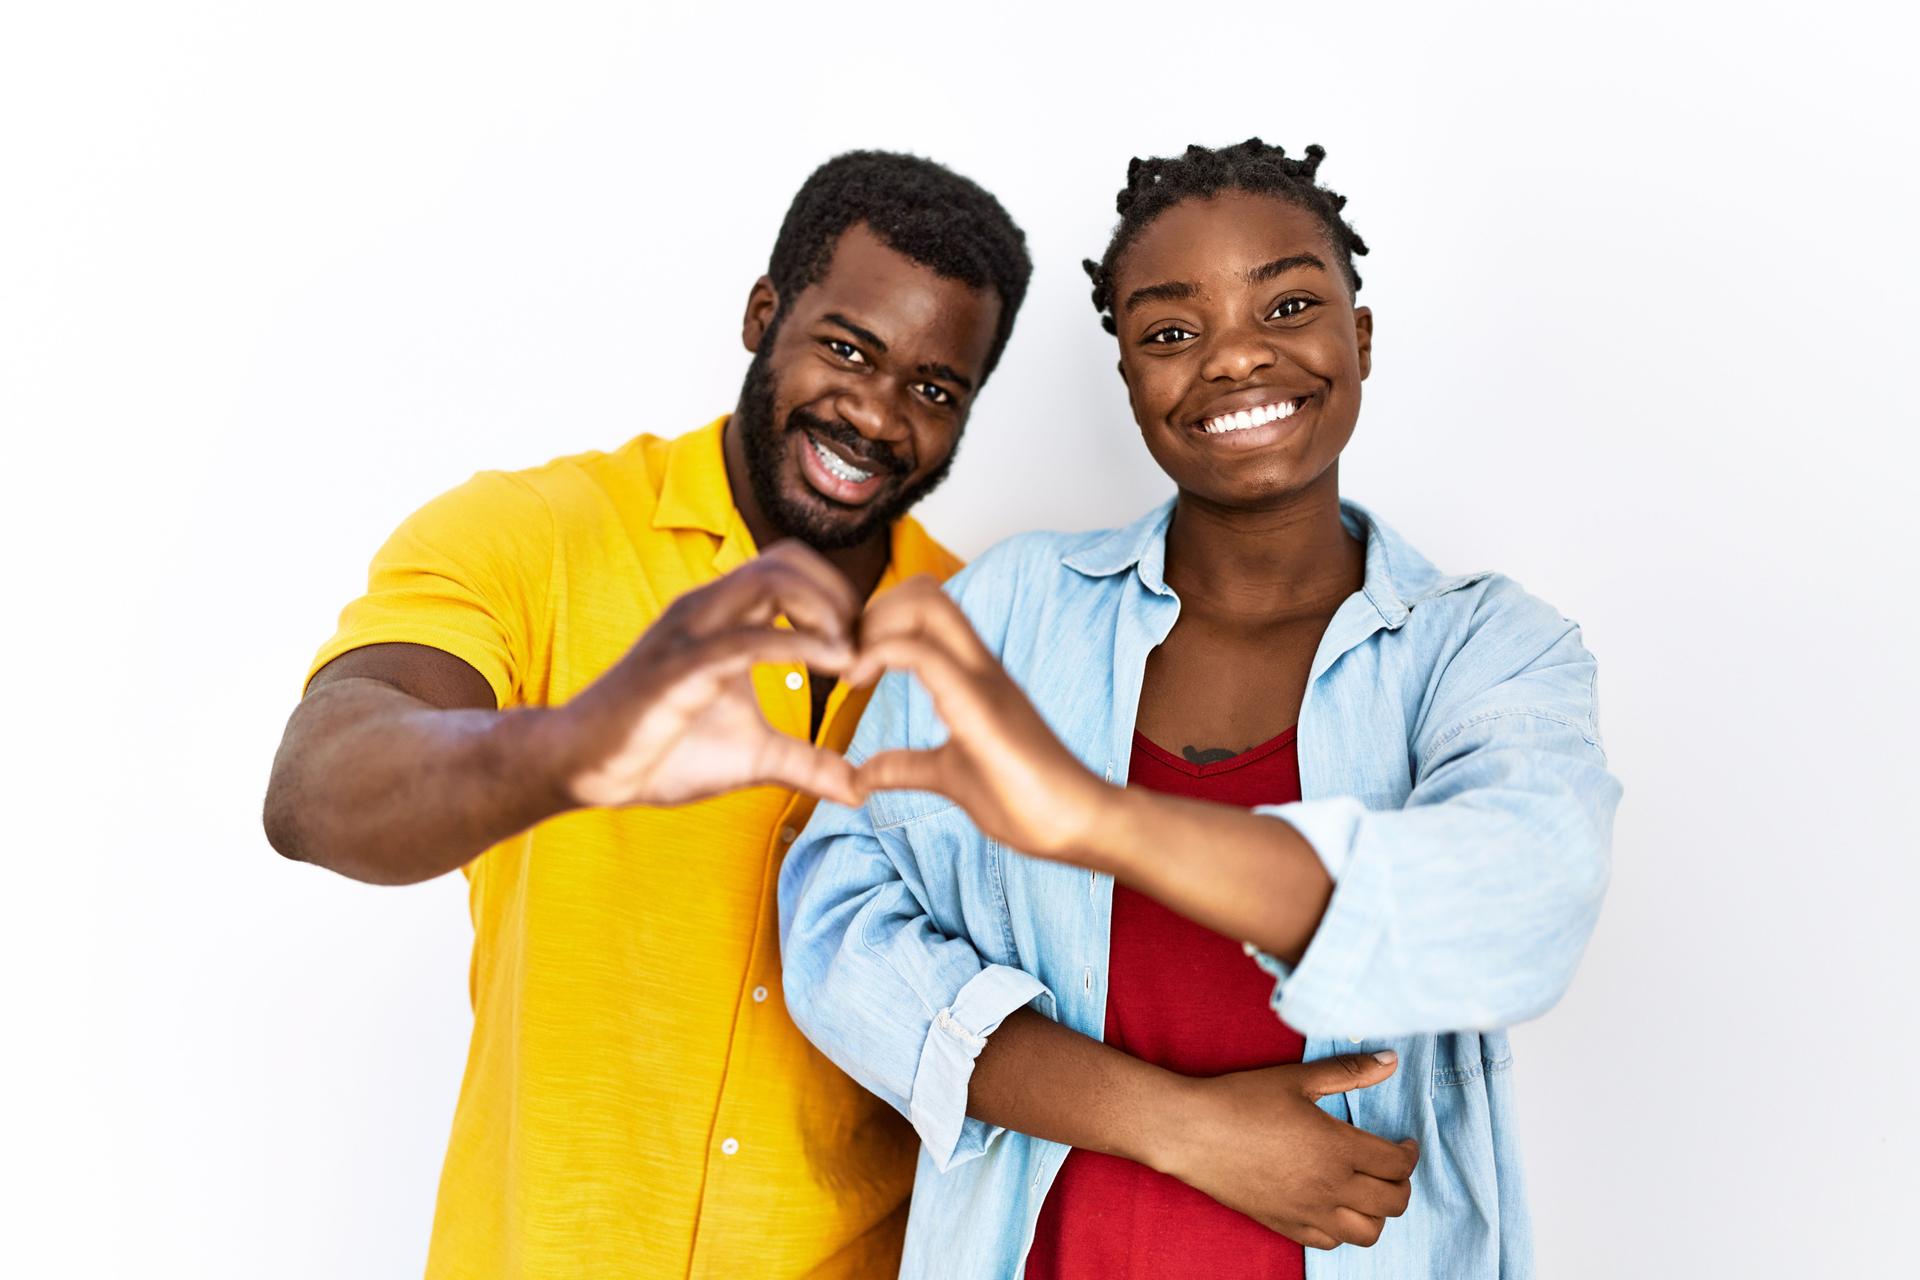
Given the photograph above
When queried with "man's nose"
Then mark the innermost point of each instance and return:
(870, 416)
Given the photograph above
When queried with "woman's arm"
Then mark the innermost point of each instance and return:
(1469, 907)
(919, 1017)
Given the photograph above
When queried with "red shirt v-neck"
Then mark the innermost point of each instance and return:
(1188, 999)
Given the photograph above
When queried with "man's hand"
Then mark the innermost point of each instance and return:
(676, 720)
(1001, 762)
(1255, 1141)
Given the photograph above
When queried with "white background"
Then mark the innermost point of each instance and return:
(272, 275)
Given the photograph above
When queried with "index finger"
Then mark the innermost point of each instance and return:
(790, 579)
(1374, 1155)
(918, 608)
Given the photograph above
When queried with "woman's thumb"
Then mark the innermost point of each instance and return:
(1349, 1071)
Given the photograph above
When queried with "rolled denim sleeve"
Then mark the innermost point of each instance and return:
(899, 1004)
(1469, 907)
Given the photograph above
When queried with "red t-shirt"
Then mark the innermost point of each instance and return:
(1188, 999)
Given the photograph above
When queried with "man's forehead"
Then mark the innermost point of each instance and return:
(902, 300)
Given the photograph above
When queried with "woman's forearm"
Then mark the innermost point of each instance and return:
(1237, 872)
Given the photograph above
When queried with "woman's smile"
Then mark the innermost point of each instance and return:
(1252, 420)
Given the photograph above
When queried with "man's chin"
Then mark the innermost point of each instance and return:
(824, 524)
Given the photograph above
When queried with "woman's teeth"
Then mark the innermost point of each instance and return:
(838, 467)
(1258, 417)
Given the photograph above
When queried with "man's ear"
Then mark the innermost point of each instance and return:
(1363, 338)
(762, 305)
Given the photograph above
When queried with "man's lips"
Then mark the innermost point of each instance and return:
(833, 474)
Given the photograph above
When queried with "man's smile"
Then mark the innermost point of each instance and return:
(835, 476)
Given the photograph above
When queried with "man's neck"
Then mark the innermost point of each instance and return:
(863, 563)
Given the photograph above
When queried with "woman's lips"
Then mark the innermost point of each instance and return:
(1253, 426)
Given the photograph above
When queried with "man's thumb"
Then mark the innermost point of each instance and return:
(1349, 1071)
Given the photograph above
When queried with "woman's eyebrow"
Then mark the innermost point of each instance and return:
(1280, 266)
(1160, 293)
(1186, 289)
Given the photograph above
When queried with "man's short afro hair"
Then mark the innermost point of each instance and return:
(918, 208)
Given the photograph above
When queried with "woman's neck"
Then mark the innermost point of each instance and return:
(1281, 562)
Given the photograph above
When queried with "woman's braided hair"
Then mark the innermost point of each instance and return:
(1156, 184)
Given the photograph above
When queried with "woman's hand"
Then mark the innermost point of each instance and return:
(1001, 762)
(1255, 1141)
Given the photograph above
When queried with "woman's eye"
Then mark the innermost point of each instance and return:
(938, 395)
(846, 351)
(1290, 307)
(1168, 336)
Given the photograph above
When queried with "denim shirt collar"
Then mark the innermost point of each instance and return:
(1397, 576)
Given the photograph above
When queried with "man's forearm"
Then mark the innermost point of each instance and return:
(1038, 1077)
(382, 787)
(1239, 873)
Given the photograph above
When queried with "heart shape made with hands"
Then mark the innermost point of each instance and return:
(676, 720)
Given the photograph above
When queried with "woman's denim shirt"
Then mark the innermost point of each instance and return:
(1452, 781)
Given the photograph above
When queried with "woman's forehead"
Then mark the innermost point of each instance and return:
(1229, 233)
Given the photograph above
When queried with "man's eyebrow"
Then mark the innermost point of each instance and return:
(947, 372)
(1280, 266)
(867, 336)
(1160, 293)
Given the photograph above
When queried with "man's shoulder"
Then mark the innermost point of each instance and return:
(915, 551)
(577, 484)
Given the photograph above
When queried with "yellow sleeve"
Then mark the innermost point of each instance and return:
(466, 574)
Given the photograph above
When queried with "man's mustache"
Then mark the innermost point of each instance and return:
(863, 450)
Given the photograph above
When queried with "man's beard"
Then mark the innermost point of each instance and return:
(812, 517)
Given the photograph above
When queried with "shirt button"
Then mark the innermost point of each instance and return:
(1086, 980)
(730, 1146)
(795, 680)
(787, 835)
(759, 995)
(1249, 948)
(1355, 1039)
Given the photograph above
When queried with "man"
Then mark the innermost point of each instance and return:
(637, 1102)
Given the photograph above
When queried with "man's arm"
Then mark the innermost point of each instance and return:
(396, 768)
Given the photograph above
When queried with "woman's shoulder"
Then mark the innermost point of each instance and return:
(1023, 562)
(1404, 581)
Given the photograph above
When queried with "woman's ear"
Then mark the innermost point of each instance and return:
(1363, 338)
(762, 305)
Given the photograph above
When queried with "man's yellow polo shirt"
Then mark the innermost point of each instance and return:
(637, 1101)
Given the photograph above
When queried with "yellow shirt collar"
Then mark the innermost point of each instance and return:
(694, 494)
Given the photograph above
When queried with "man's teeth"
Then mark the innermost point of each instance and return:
(1240, 421)
(838, 467)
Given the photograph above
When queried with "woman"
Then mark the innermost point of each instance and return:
(1256, 717)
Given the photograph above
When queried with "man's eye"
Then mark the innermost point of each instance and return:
(1290, 307)
(1168, 336)
(846, 351)
(938, 395)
